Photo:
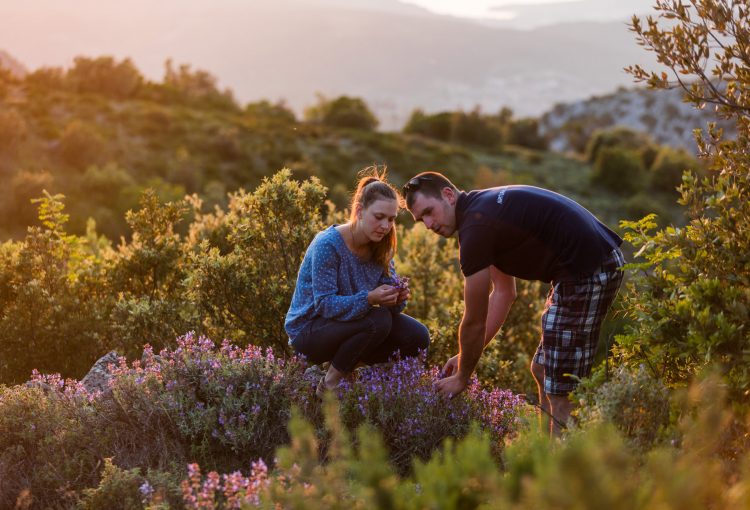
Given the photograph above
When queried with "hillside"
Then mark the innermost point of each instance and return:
(660, 113)
(102, 147)
(397, 57)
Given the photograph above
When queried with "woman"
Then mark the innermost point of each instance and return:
(347, 304)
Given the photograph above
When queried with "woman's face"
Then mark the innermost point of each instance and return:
(377, 219)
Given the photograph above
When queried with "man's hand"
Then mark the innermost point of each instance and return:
(451, 386)
(451, 367)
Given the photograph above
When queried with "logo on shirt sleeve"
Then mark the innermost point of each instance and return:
(500, 196)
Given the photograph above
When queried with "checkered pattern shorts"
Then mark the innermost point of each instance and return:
(571, 322)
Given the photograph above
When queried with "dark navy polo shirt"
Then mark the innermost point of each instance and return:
(530, 233)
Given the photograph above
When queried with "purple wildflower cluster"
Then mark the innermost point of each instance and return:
(224, 491)
(230, 406)
(399, 399)
(69, 388)
(220, 399)
(401, 282)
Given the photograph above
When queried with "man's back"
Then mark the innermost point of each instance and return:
(530, 233)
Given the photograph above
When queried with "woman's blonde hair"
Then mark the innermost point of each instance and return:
(373, 186)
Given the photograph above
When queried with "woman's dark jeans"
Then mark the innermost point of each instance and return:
(372, 339)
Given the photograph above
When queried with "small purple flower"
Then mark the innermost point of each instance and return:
(146, 491)
(401, 282)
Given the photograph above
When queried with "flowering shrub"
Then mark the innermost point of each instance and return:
(400, 401)
(46, 440)
(228, 405)
(634, 401)
(227, 491)
(222, 407)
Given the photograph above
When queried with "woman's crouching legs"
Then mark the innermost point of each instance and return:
(407, 337)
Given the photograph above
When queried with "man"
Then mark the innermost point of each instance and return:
(534, 234)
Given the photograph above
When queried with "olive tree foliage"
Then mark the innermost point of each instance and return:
(691, 303)
(54, 300)
(244, 291)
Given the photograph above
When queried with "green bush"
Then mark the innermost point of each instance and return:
(431, 264)
(470, 128)
(668, 167)
(525, 132)
(436, 125)
(642, 204)
(692, 299)
(54, 300)
(619, 170)
(196, 88)
(80, 145)
(342, 112)
(105, 76)
(17, 207)
(13, 130)
(473, 128)
(118, 488)
(245, 292)
(269, 114)
(621, 137)
(150, 275)
(636, 403)
(48, 447)
(46, 79)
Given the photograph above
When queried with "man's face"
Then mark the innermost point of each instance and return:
(437, 214)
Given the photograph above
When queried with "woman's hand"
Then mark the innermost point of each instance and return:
(385, 295)
(403, 295)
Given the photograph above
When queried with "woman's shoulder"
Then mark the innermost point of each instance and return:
(327, 239)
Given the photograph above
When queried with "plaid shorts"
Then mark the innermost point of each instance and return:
(571, 323)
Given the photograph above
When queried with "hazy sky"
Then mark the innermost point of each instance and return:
(477, 8)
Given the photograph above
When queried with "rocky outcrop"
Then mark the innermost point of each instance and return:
(98, 377)
(662, 114)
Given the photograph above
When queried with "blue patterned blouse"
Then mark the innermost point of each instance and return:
(333, 283)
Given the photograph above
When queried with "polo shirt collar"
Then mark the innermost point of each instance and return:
(460, 207)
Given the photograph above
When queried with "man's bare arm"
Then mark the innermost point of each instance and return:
(471, 332)
(502, 297)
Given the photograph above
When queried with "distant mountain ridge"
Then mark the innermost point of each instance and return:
(395, 56)
(660, 113)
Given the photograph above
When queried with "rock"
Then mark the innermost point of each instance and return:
(314, 373)
(98, 377)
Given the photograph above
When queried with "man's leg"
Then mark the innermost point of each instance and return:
(557, 406)
(570, 331)
(537, 370)
(561, 408)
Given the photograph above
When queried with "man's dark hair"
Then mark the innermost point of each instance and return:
(429, 184)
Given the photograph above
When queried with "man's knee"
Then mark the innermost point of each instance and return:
(561, 405)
